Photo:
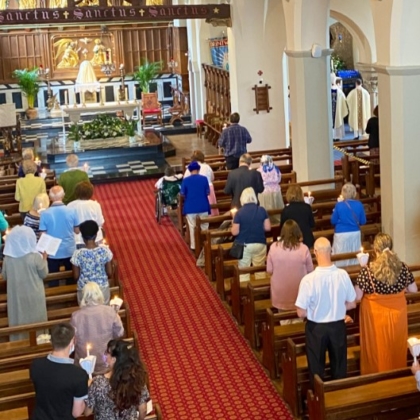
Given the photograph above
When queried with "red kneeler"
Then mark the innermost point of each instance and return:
(199, 125)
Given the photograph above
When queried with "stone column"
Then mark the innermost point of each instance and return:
(399, 155)
(398, 70)
(257, 40)
(310, 88)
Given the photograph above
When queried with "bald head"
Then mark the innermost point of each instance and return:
(322, 249)
(322, 245)
(56, 193)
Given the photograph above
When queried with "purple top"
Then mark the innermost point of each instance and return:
(96, 325)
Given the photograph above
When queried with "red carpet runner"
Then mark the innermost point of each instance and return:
(200, 366)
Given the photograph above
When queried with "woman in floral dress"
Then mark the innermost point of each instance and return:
(92, 263)
(120, 394)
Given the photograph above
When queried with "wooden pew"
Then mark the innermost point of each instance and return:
(56, 303)
(389, 395)
(274, 335)
(295, 371)
(276, 154)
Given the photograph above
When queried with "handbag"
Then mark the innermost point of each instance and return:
(237, 250)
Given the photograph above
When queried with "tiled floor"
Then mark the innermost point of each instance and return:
(185, 144)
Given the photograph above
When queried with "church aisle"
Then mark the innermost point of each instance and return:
(199, 364)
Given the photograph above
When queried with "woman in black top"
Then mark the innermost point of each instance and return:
(372, 129)
(300, 212)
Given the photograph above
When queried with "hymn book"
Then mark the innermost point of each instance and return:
(48, 244)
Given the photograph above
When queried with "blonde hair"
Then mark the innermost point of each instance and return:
(27, 153)
(92, 295)
(294, 193)
(387, 266)
(29, 167)
(348, 191)
(248, 196)
(41, 201)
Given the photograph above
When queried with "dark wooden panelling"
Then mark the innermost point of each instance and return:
(19, 51)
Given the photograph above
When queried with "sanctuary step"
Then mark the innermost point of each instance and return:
(111, 159)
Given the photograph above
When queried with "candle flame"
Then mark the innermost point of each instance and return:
(309, 193)
(361, 250)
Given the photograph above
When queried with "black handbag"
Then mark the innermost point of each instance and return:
(237, 250)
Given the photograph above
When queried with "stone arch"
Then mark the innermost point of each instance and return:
(359, 38)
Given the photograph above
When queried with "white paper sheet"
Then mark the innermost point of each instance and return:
(48, 244)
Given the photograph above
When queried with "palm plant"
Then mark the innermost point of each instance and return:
(146, 72)
(28, 82)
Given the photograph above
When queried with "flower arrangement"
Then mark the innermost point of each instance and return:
(102, 127)
(130, 126)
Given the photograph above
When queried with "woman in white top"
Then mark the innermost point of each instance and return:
(205, 170)
(87, 209)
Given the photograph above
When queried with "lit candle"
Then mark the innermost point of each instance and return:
(361, 250)
(233, 211)
(309, 193)
(87, 349)
(66, 97)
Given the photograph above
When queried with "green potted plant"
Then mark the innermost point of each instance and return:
(76, 134)
(28, 82)
(146, 72)
(130, 128)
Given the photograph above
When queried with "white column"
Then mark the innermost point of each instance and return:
(198, 33)
(310, 88)
(310, 99)
(399, 153)
(256, 42)
(397, 31)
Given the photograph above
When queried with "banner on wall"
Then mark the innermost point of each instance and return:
(219, 52)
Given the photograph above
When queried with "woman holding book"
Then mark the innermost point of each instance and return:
(122, 392)
(381, 287)
(24, 270)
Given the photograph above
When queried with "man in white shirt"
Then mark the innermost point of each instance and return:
(358, 101)
(324, 297)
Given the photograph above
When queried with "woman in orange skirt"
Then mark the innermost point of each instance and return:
(383, 309)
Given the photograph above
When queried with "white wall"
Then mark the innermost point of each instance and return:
(256, 42)
(356, 16)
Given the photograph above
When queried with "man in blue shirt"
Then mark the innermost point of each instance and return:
(234, 140)
(60, 222)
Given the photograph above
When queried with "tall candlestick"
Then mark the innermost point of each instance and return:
(134, 93)
(126, 94)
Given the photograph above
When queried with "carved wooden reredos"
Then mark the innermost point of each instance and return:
(60, 34)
